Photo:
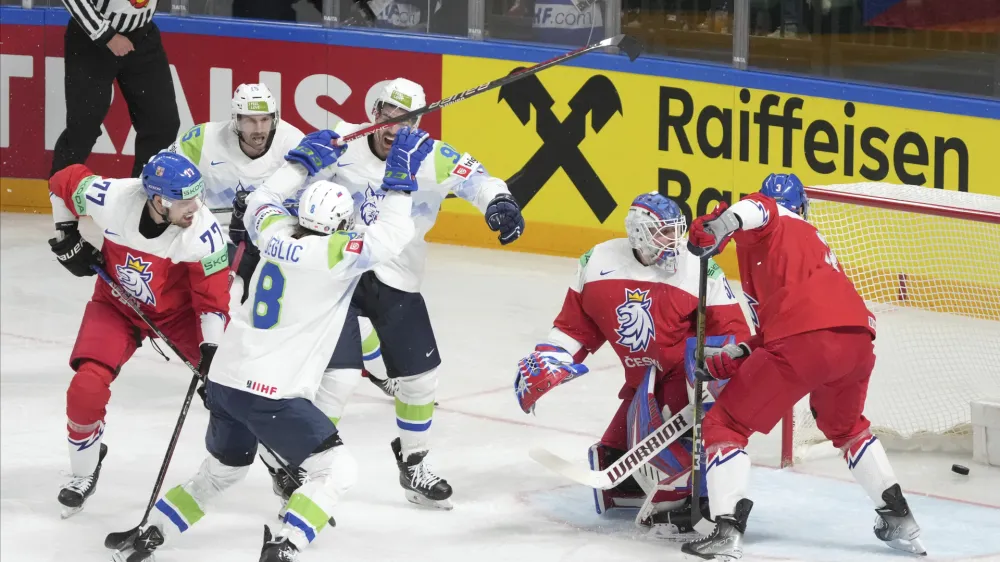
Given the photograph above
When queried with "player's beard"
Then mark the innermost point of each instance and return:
(384, 141)
(255, 143)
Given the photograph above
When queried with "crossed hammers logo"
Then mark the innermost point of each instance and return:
(561, 140)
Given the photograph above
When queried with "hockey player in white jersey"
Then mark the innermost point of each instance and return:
(270, 364)
(238, 154)
(390, 296)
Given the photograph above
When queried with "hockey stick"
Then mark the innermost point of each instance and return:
(670, 431)
(626, 44)
(699, 390)
(117, 540)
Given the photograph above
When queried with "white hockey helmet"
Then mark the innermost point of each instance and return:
(326, 207)
(402, 93)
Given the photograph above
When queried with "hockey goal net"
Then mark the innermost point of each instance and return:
(927, 263)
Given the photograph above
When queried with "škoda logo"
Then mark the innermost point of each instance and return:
(561, 139)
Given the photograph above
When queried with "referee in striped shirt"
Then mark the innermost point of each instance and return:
(108, 40)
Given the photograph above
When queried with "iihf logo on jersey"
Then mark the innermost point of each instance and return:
(135, 277)
(635, 323)
(369, 207)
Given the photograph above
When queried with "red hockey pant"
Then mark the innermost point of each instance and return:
(833, 366)
(107, 339)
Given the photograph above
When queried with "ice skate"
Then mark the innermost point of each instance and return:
(140, 546)
(74, 495)
(422, 486)
(726, 541)
(388, 386)
(895, 523)
(277, 549)
(282, 483)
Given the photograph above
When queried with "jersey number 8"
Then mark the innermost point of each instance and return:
(267, 296)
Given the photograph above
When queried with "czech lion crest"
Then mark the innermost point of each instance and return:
(635, 323)
(135, 276)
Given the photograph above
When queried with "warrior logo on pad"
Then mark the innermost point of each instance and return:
(135, 276)
(635, 323)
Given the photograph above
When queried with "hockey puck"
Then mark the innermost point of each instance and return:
(959, 469)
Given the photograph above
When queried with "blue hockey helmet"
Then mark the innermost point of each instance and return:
(173, 177)
(656, 228)
(788, 191)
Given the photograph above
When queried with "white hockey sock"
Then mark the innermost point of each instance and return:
(85, 453)
(184, 505)
(415, 411)
(728, 476)
(371, 349)
(870, 466)
(335, 390)
(328, 475)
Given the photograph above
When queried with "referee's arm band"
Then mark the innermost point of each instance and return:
(103, 38)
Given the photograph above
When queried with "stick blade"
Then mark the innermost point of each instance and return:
(118, 541)
(563, 467)
(630, 46)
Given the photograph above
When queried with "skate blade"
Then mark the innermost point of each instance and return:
(68, 512)
(414, 497)
(126, 556)
(912, 546)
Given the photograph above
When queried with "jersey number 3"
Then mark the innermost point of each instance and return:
(267, 296)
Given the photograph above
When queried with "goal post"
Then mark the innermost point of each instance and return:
(927, 263)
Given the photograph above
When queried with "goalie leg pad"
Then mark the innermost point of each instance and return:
(329, 474)
(626, 494)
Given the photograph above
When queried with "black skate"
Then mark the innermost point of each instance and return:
(74, 494)
(282, 483)
(277, 549)
(726, 541)
(388, 386)
(895, 523)
(422, 486)
(140, 546)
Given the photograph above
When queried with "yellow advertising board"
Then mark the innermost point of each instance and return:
(578, 144)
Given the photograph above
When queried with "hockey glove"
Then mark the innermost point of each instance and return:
(504, 214)
(237, 229)
(74, 253)
(723, 357)
(408, 151)
(317, 150)
(710, 233)
(542, 370)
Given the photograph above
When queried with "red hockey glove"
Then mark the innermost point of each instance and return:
(723, 362)
(709, 234)
(541, 371)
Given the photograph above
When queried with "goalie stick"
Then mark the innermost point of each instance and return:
(670, 431)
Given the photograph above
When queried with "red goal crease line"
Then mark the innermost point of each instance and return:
(902, 205)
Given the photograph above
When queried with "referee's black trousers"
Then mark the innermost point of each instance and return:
(144, 78)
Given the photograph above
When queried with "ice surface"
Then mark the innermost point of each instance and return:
(489, 308)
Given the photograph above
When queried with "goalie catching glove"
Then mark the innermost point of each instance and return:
(542, 370)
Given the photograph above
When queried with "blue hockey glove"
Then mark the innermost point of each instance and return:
(317, 151)
(504, 214)
(409, 149)
(542, 370)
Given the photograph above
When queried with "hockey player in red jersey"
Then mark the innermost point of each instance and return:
(814, 336)
(164, 248)
(639, 294)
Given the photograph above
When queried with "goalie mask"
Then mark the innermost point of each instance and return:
(656, 228)
(255, 118)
